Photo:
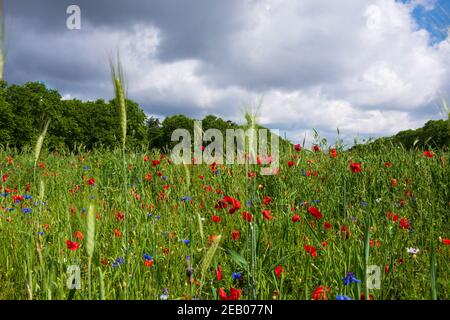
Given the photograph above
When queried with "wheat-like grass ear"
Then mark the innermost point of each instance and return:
(117, 78)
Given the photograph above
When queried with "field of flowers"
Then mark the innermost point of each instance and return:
(171, 231)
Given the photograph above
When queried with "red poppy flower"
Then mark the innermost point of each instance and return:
(404, 223)
(146, 158)
(79, 235)
(148, 263)
(392, 216)
(267, 200)
(247, 216)
(148, 177)
(311, 250)
(223, 204)
(117, 233)
(295, 218)
(234, 294)
(428, 154)
(333, 153)
(315, 212)
(215, 219)
(446, 242)
(290, 164)
(71, 245)
(120, 216)
(320, 293)
(266, 214)
(222, 294)
(91, 181)
(279, 270)
(235, 235)
(17, 198)
(345, 231)
(219, 273)
(387, 164)
(298, 147)
(5, 177)
(355, 167)
(394, 183)
(327, 225)
(155, 163)
(316, 148)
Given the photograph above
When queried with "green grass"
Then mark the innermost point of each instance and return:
(34, 265)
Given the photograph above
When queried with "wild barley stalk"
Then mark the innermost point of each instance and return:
(102, 284)
(117, 78)
(366, 257)
(208, 259)
(251, 124)
(38, 147)
(446, 110)
(90, 241)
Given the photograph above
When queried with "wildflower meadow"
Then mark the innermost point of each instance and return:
(113, 225)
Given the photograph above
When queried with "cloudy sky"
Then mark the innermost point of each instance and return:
(367, 67)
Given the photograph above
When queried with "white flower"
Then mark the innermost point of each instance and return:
(413, 250)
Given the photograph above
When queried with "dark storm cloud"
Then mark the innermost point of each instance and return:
(189, 28)
(210, 56)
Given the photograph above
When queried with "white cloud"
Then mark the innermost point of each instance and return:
(360, 65)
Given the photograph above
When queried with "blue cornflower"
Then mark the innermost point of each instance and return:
(149, 215)
(316, 201)
(236, 275)
(186, 241)
(147, 257)
(350, 278)
(26, 210)
(188, 257)
(364, 204)
(118, 262)
(186, 199)
(86, 168)
(27, 197)
(83, 210)
(165, 294)
(158, 217)
(249, 203)
(217, 172)
(41, 233)
(164, 178)
(4, 194)
(342, 297)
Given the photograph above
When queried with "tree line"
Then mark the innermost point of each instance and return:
(24, 109)
(74, 124)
